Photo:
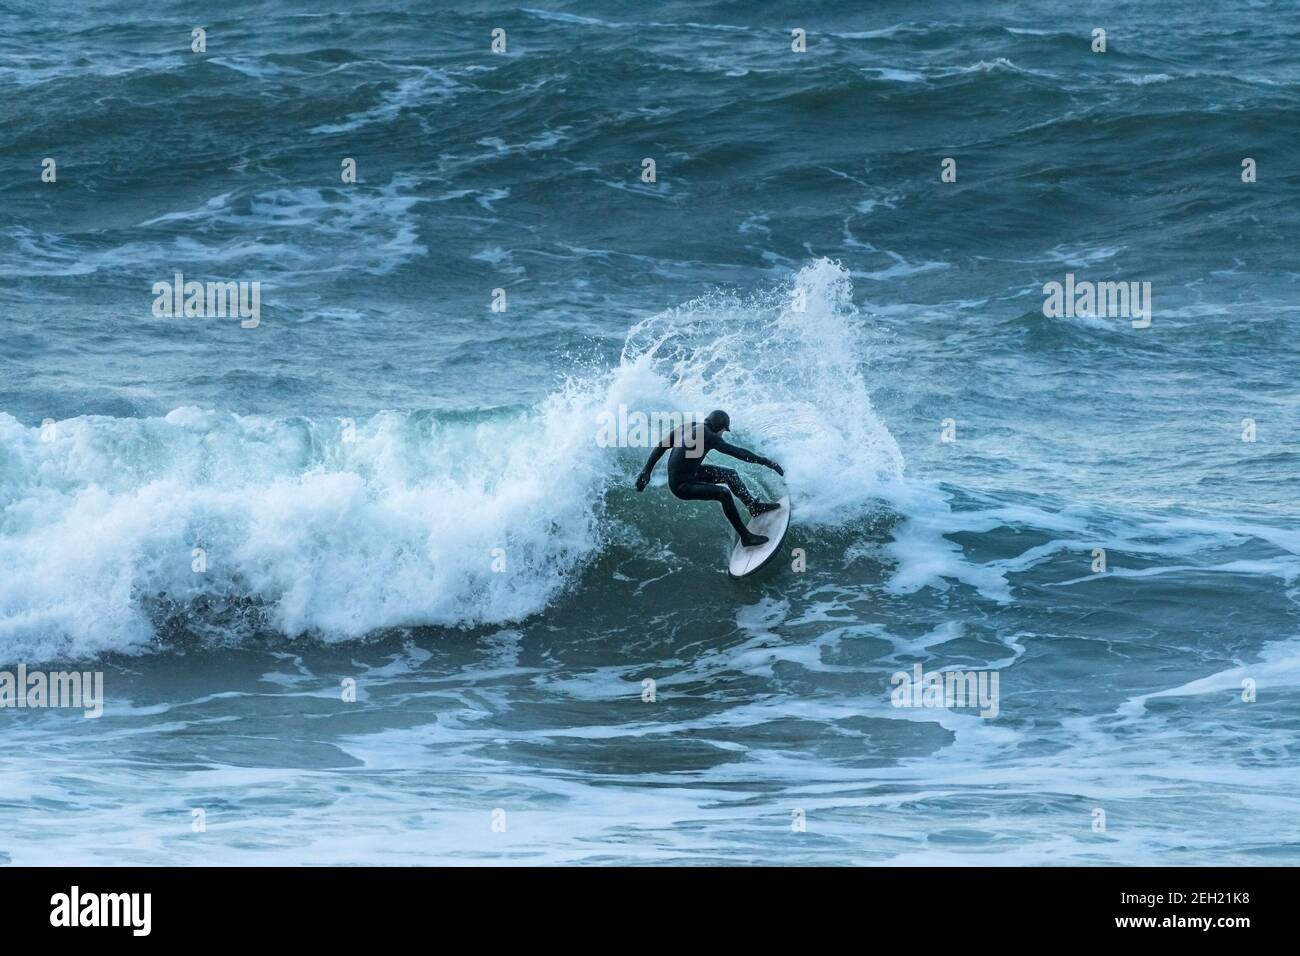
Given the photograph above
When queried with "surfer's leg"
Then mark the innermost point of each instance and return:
(708, 491)
(729, 477)
(729, 509)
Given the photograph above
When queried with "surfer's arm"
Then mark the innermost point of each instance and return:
(656, 453)
(744, 454)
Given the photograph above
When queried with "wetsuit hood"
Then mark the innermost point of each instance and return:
(718, 420)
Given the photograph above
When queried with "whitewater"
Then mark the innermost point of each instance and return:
(339, 529)
(362, 576)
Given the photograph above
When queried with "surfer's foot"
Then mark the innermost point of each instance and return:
(762, 508)
(753, 540)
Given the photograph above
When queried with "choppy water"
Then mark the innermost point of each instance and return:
(350, 465)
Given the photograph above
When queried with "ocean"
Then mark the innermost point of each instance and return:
(365, 587)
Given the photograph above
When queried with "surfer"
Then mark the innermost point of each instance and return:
(692, 480)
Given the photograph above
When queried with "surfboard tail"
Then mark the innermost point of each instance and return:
(774, 524)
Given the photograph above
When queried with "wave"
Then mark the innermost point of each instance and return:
(118, 533)
(787, 364)
(300, 232)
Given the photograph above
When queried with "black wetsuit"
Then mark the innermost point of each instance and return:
(692, 480)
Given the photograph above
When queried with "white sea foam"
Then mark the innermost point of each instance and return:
(329, 537)
(420, 88)
(792, 382)
(372, 229)
(309, 533)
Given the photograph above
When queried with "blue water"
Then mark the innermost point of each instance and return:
(393, 484)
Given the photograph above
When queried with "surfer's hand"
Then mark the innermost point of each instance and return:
(642, 480)
(776, 467)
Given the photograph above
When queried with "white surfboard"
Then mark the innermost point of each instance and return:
(774, 524)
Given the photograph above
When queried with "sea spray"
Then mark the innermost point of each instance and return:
(226, 525)
(789, 364)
